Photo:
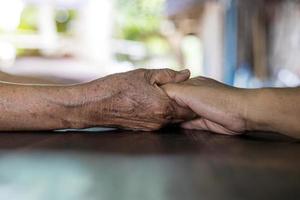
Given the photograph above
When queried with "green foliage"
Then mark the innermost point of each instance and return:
(63, 20)
(157, 45)
(29, 19)
(138, 19)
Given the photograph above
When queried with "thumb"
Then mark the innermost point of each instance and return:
(177, 92)
(164, 76)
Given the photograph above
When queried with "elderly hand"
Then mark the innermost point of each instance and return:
(219, 107)
(132, 100)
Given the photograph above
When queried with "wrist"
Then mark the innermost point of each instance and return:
(56, 106)
(257, 108)
(90, 105)
(72, 101)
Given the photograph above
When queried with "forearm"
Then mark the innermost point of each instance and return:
(42, 107)
(275, 110)
(25, 107)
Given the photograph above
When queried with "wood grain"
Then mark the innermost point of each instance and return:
(179, 164)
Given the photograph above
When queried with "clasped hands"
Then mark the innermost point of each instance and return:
(150, 99)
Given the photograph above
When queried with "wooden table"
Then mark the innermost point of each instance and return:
(170, 164)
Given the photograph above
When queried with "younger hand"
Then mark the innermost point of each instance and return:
(219, 107)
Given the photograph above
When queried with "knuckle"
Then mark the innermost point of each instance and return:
(170, 73)
(149, 75)
(140, 70)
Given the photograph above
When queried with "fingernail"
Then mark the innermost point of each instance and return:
(184, 71)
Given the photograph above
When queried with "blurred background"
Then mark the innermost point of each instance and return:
(246, 43)
(240, 42)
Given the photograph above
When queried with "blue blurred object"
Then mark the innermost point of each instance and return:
(174, 7)
(243, 76)
(230, 39)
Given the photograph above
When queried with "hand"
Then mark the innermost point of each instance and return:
(219, 107)
(133, 100)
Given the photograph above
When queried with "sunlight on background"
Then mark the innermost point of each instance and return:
(241, 43)
(10, 13)
(81, 40)
(73, 40)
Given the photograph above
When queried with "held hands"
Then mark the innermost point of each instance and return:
(133, 100)
(149, 99)
(220, 108)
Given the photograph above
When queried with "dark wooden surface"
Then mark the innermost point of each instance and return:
(168, 164)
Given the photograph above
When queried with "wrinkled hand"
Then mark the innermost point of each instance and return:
(218, 106)
(134, 100)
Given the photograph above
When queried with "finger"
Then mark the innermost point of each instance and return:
(164, 76)
(177, 92)
(206, 125)
(182, 114)
(171, 89)
(197, 124)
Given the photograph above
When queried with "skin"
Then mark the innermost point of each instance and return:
(132, 100)
(233, 111)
